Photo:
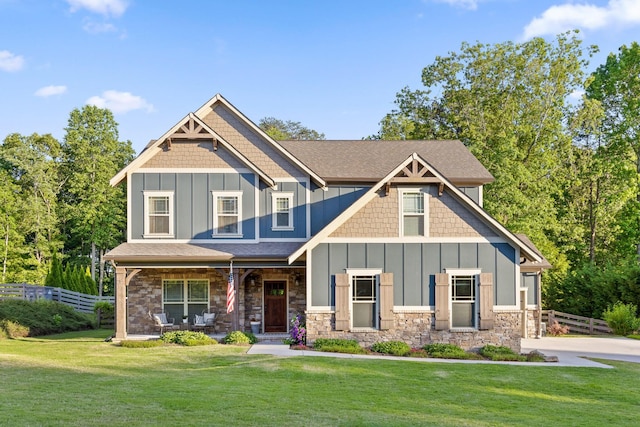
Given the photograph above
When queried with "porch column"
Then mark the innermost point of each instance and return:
(121, 303)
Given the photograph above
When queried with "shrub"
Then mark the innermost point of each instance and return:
(252, 338)
(44, 317)
(188, 338)
(107, 310)
(395, 348)
(142, 344)
(556, 329)
(448, 351)
(621, 318)
(338, 345)
(9, 329)
(237, 337)
(501, 353)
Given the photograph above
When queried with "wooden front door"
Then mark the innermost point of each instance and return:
(275, 306)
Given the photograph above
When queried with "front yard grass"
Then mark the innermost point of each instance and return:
(77, 379)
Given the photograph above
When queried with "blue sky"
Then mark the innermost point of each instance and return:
(334, 66)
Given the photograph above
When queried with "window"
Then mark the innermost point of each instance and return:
(364, 301)
(185, 297)
(227, 207)
(463, 301)
(282, 211)
(413, 213)
(158, 220)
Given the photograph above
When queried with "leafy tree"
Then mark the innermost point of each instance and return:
(10, 214)
(616, 84)
(288, 130)
(92, 154)
(33, 164)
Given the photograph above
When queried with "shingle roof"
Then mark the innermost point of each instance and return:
(201, 252)
(371, 160)
(544, 264)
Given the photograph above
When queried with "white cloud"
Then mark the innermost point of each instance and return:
(464, 4)
(120, 102)
(98, 27)
(10, 61)
(560, 18)
(50, 91)
(103, 7)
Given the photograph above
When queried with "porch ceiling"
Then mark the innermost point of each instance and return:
(199, 252)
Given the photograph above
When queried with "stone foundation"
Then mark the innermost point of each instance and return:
(417, 329)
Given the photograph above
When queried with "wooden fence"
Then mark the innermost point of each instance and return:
(81, 302)
(576, 324)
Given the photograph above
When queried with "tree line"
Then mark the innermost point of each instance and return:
(564, 148)
(55, 199)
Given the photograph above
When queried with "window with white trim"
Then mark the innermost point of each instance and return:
(364, 301)
(227, 210)
(158, 218)
(413, 211)
(464, 307)
(282, 211)
(185, 297)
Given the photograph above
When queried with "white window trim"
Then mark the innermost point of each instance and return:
(217, 194)
(185, 288)
(451, 272)
(364, 272)
(425, 214)
(274, 204)
(149, 194)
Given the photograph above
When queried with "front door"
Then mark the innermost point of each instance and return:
(275, 306)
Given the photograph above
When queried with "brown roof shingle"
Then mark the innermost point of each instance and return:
(371, 160)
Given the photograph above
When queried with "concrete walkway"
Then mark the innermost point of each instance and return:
(570, 351)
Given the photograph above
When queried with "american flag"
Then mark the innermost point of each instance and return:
(231, 295)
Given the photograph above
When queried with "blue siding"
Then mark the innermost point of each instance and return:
(299, 210)
(530, 281)
(193, 202)
(326, 205)
(414, 266)
(473, 192)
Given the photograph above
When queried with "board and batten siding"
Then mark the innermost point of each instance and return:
(192, 201)
(328, 204)
(299, 190)
(530, 281)
(414, 266)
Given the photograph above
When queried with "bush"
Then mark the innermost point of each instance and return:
(395, 348)
(621, 318)
(556, 329)
(448, 351)
(239, 338)
(297, 332)
(188, 338)
(338, 345)
(44, 317)
(142, 344)
(107, 310)
(9, 329)
(501, 354)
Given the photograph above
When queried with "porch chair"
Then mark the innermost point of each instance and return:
(162, 321)
(204, 321)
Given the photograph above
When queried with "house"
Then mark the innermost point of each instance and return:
(371, 240)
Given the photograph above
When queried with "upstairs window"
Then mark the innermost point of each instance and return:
(227, 208)
(413, 213)
(158, 220)
(282, 211)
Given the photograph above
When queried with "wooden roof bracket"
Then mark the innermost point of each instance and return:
(440, 189)
(387, 188)
(215, 144)
(169, 144)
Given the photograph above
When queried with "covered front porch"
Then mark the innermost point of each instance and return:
(183, 280)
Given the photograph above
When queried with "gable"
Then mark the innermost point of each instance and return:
(185, 154)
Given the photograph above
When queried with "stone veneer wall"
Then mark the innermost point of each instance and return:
(145, 294)
(416, 329)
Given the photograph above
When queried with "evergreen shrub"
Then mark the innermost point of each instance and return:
(395, 348)
(621, 318)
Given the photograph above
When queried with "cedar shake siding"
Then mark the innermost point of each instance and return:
(251, 145)
(379, 218)
(193, 154)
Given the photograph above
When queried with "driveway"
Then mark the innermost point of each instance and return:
(572, 351)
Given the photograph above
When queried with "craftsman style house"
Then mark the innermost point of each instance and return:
(371, 240)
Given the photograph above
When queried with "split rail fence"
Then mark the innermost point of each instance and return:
(576, 324)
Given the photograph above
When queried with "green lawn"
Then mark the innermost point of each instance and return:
(78, 380)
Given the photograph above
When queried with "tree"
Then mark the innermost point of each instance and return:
(32, 163)
(616, 84)
(55, 276)
(92, 154)
(10, 213)
(289, 130)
